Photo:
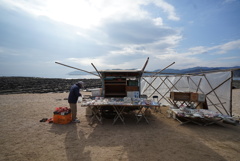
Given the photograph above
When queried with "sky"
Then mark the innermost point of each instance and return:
(116, 34)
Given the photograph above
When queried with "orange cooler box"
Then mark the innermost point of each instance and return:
(62, 119)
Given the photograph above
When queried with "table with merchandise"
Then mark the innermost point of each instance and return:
(120, 106)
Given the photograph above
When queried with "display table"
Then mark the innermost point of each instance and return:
(120, 109)
(197, 116)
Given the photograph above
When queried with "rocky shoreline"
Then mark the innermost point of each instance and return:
(17, 85)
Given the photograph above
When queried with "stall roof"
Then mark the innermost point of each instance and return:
(120, 71)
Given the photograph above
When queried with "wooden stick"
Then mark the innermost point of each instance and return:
(77, 68)
(155, 90)
(158, 73)
(163, 69)
(171, 83)
(207, 97)
(217, 104)
(231, 94)
(157, 87)
(96, 70)
(145, 65)
(198, 84)
(169, 89)
(173, 86)
(213, 90)
(200, 73)
(218, 85)
(214, 71)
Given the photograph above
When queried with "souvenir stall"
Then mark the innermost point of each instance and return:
(204, 95)
(120, 94)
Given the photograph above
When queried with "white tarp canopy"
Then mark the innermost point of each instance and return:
(216, 86)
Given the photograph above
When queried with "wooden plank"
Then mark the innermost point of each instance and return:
(180, 96)
(132, 88)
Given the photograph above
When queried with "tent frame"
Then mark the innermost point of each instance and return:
(171, 85)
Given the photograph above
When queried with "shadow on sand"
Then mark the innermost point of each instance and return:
(168, 141)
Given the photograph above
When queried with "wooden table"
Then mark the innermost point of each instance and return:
(184, 118)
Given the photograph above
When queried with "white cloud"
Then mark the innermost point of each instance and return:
(213, 50)
(90, 13)
(117, 34)
(230, 58)
(233, 45)
(118, 30)
(158, 21)
(168, 8)
(213, 56)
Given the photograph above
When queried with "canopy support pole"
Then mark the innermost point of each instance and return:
(96, 70)
(76, 68)
(145, 65)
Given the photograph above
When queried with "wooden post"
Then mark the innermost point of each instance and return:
(231, 93)
(145, 65)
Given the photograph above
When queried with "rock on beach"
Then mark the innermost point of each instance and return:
(17, 85)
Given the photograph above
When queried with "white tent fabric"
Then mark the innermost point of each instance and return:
(216, 86)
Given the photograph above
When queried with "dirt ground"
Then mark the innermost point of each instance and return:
(24, 138)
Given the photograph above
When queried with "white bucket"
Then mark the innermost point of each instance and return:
(88, 111)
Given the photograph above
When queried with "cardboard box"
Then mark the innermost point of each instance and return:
(194, 97)
(180, 96)
(133, 94)
(62, 119)
(97, 92)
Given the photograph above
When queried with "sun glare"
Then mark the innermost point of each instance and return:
(82, 13)
(77, 13)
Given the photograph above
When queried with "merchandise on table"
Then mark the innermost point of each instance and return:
(119, 101)
(184, 111)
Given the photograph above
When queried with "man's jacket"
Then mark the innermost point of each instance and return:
(74, 94)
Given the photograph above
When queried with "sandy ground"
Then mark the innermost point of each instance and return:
(24, 138)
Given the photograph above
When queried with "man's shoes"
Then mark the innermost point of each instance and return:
(44, 120)
(76, 121)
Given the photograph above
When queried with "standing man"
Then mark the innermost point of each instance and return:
(73, 98)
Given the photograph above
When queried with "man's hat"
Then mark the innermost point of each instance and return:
(81, 83)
